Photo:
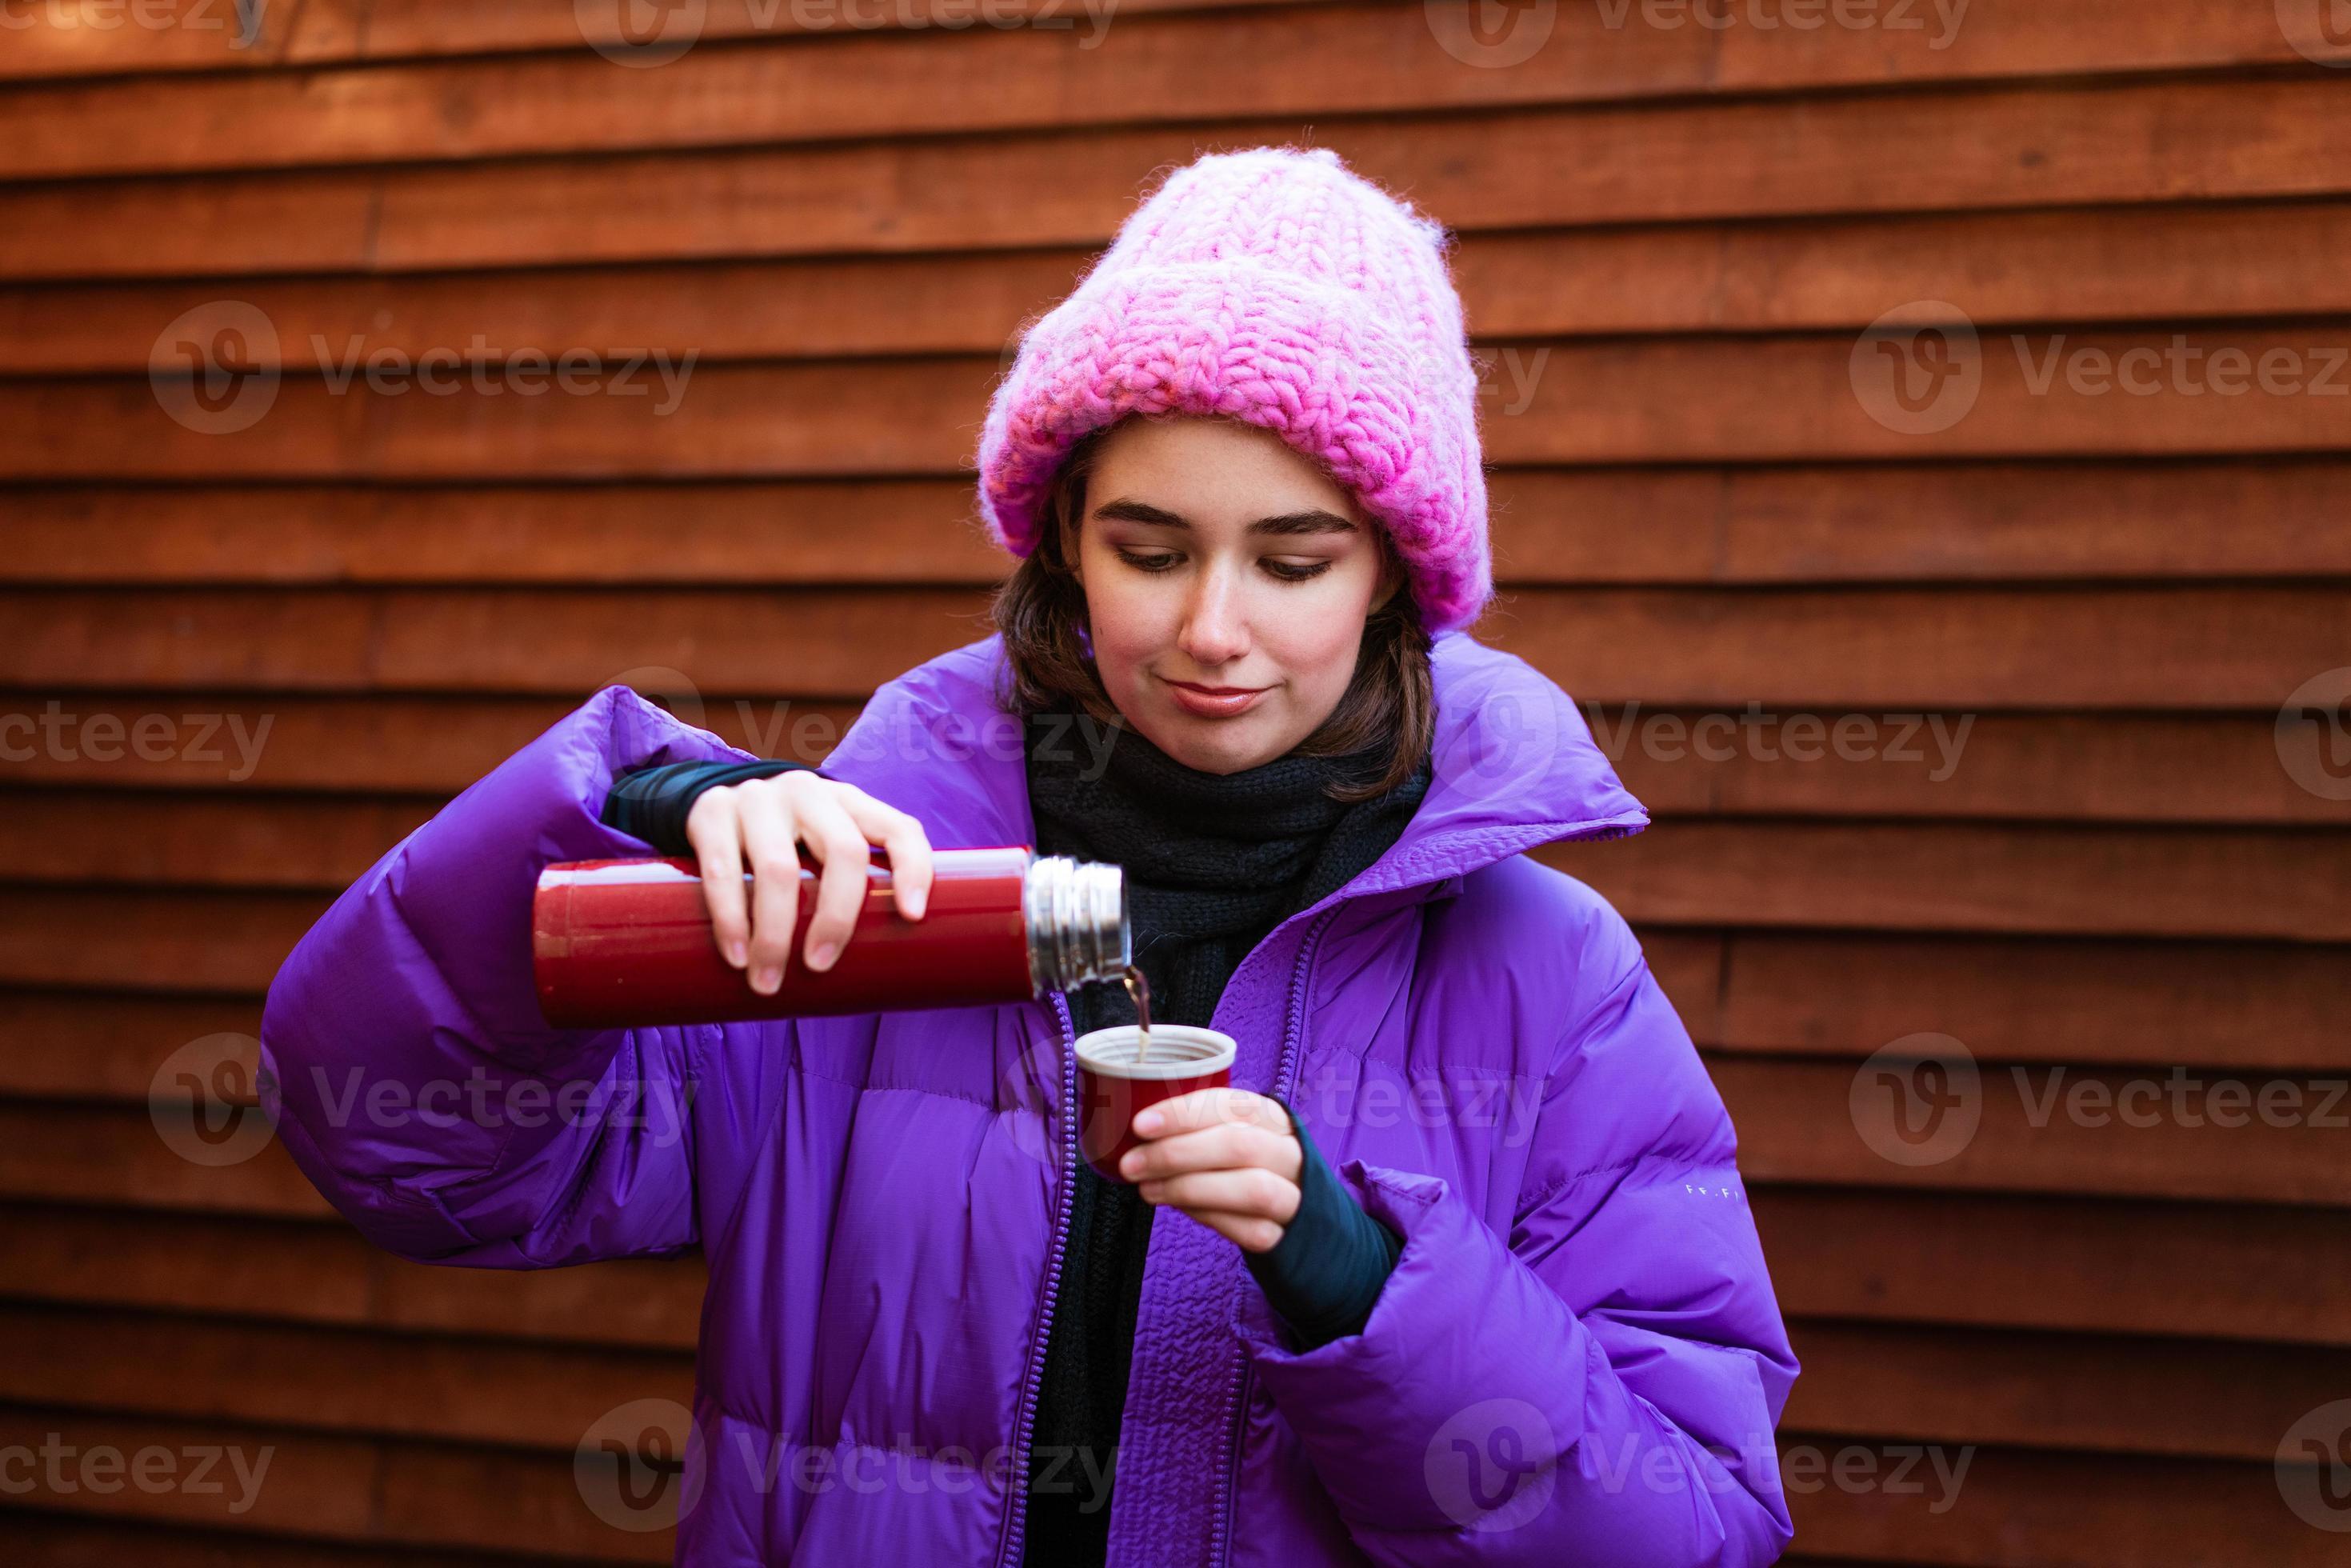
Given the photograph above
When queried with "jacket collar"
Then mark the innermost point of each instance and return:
(1513, 766)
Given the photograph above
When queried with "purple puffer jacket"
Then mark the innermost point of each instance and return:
(1577, 1360)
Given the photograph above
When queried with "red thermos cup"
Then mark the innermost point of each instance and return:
(616, 943)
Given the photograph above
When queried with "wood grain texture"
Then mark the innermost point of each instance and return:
(1972, 733)
(2118, 143)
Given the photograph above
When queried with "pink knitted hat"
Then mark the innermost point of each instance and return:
(1276, 286)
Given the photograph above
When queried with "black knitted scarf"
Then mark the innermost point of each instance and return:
(1213, 864)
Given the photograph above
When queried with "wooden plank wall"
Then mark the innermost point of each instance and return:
(1674, 238)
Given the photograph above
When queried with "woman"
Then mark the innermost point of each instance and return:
(1463, 1272)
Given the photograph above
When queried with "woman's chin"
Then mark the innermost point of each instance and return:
(1214, 745)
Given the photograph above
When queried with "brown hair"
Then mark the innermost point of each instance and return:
(1041, 607)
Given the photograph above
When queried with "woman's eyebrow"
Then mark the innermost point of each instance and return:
(1314, 521)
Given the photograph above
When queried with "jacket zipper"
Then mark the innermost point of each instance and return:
(1293, 1031)
(1017, 1521)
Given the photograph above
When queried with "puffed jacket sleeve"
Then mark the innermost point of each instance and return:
(409, 1072)
(1599, 1386)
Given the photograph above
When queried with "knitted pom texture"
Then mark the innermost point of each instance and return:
(1275, 286)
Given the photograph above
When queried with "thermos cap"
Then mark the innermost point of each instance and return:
(1076, 914)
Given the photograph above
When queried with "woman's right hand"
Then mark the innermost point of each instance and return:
(760, 824)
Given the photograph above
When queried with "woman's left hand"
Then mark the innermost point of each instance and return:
(1226, 1158)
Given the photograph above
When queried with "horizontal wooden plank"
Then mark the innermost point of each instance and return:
(261, 1479)
(219, 840)
(2009, 148)
(2110, 768)
(329, 1379)
(149, 940)
(116, 1154)
(1598, 403)
(814, 308)
(191, 1264)
(213, 1265)
(2071, 267)
(309, 1484)
(2215, 1010)
(64, 1541)
(69, 1045)
(2153, 1133)
(2116, 1133)
(2197, 261)
(2223, 1007)
(2063, 394)
(1948, 522)
(101, 40)
(2265, 519)
(2182, 649)
(402, 745)
(1915, 876)
(173, 36)
(2279, 884)
(616, 420)
(2173, 650)
(2215, 1270)
(2215, 1400)
(898, 531)
(843, 644)
(1174, 66)
(2194, 1512)
(851, 82)
(2103, 767)
(2213, 1005)
(2050, 1509)
(2105, 1265)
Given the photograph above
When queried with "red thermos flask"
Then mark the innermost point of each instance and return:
(616, 943)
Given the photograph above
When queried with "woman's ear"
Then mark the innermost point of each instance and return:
(1067, 530)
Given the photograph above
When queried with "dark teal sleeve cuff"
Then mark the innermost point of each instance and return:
(1326, 1273)
(652, 803)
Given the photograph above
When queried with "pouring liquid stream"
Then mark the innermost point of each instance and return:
(1139, 989)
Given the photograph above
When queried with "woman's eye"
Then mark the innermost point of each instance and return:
(1159, 562)
(1296, 573)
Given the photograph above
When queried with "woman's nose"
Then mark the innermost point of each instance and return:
(1215, 630)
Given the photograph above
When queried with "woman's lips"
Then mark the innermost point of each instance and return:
(1214, 701)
